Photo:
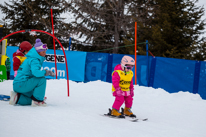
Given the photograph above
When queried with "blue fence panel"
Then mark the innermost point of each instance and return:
(152, 72)
(196, 77)
(109, 68)
(75, 62)
(96, 66)
(174, 75)
(202, 80)
(142, 72)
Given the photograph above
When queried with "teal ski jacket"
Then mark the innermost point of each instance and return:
(31, 67)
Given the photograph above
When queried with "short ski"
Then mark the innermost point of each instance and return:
(4, 97)
(132, 119)
(107, 115)
(126, 118)
(136, 119)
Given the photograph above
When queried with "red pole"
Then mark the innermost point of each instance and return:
(135, 53)
(54, 43)
(55, 39)
(151, 54)
(12, 34)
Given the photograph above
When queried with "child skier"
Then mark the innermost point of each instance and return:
(19, 55)
(122, 87)
(30, 84)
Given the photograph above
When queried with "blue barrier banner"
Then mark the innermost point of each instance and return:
(96, 66)
(174, 75)
(152, 72)
(202, 80)
(75, 62)
(109, 68)
(196, 77)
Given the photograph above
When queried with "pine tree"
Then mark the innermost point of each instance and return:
(103, 23)
(198, 52)
(143, 13)
(22, 15)
(175, 28)
(16, 19)
(172, 28)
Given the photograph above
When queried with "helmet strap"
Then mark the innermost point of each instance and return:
(125, 71)
(124, 68)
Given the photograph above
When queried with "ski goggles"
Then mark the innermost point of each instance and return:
(43, 47)
(128, 67)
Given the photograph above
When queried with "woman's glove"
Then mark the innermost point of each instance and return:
(49, 73)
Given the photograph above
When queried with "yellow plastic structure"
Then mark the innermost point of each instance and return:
(3, 55)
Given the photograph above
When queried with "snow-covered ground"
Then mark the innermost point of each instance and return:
(179, 114)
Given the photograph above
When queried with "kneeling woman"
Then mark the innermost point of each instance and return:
(30, 83)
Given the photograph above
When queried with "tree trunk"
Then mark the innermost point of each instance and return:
(116, 38)
(117, 20)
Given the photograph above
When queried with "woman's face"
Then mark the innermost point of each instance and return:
(25, 52)
(42, 53)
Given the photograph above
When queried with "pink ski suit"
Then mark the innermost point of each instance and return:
(124, 96)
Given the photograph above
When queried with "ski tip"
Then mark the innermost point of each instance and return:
(135, 120)
(145, 119)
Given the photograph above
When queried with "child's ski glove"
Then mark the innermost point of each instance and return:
(119, 92)
(131, 93)
(49, 73)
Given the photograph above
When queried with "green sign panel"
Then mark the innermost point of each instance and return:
(3, 75)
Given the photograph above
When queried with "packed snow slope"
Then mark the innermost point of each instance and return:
(179, 114)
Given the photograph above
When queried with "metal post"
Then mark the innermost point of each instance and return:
(147, 62)
(70, 42)
(135, 54)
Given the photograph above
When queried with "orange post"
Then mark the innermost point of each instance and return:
(135, 53)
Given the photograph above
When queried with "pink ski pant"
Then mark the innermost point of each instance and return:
(119, 100)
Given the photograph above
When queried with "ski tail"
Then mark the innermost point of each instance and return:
(110, 114)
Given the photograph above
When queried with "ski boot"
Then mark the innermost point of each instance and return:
(115, 113)
(128, 112)
(36, 103)
(39, 103)
(13, 98)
